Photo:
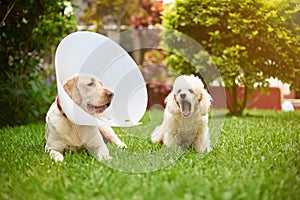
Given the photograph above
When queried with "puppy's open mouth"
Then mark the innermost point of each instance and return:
(97, 109)
(186, 108)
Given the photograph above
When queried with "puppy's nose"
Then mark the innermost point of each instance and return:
(109, 94)
(183, 95)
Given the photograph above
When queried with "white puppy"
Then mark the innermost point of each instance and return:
(185, 116)
(86, 91)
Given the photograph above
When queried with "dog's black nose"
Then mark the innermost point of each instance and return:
(110, 95)
(183, 95)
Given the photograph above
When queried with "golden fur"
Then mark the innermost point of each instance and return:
(86, 91)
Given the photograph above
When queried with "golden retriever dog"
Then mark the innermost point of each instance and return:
(185, 119)
(87, 92)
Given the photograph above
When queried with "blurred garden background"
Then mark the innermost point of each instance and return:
(255, 44)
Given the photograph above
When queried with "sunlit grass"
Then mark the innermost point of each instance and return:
(255, 157)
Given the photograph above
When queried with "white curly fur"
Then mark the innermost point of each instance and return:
(185, 116)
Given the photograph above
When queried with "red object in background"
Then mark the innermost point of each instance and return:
(217, 94)
(270, 100)
(157, 94)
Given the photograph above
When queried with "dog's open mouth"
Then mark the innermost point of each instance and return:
(97, 109)
(186, 108)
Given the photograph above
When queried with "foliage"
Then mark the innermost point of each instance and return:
(147, 14)
(29, 32)
(249, 161)
(113, 14)
(153, 67)
(248, 40)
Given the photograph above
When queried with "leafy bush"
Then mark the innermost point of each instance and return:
(29, 32)
(248, 40)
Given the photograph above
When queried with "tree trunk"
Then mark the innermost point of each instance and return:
(234, 95)
(245, 99)
(238, 105)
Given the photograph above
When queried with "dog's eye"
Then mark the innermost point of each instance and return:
(90, 84)
(191, 91)
(179, 91)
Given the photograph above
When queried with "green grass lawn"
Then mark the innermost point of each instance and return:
(255, 157)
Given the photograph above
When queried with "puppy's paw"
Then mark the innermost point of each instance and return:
(203, 149)
(157, 136)
(57, 156)
(157, 139)
(208, 149)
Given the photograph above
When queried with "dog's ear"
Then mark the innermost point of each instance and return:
(171, 103)
(70, 85)
(72, 90)
(204, 99)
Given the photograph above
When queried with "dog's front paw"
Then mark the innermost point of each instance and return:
(103, 154)
(122, 145)
(57, 156)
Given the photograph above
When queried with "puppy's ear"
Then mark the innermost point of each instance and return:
(204, 101)
(171, 103)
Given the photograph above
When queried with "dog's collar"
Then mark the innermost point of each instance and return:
(59, 107)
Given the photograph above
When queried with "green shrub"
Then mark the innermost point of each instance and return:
(29, 33)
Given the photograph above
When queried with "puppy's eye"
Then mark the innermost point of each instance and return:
(179, 91)
(191, 91)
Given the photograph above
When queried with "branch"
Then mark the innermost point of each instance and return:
(7, 13)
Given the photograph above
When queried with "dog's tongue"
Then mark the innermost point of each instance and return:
(100, 108)
(97, 109)
(186, 108)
